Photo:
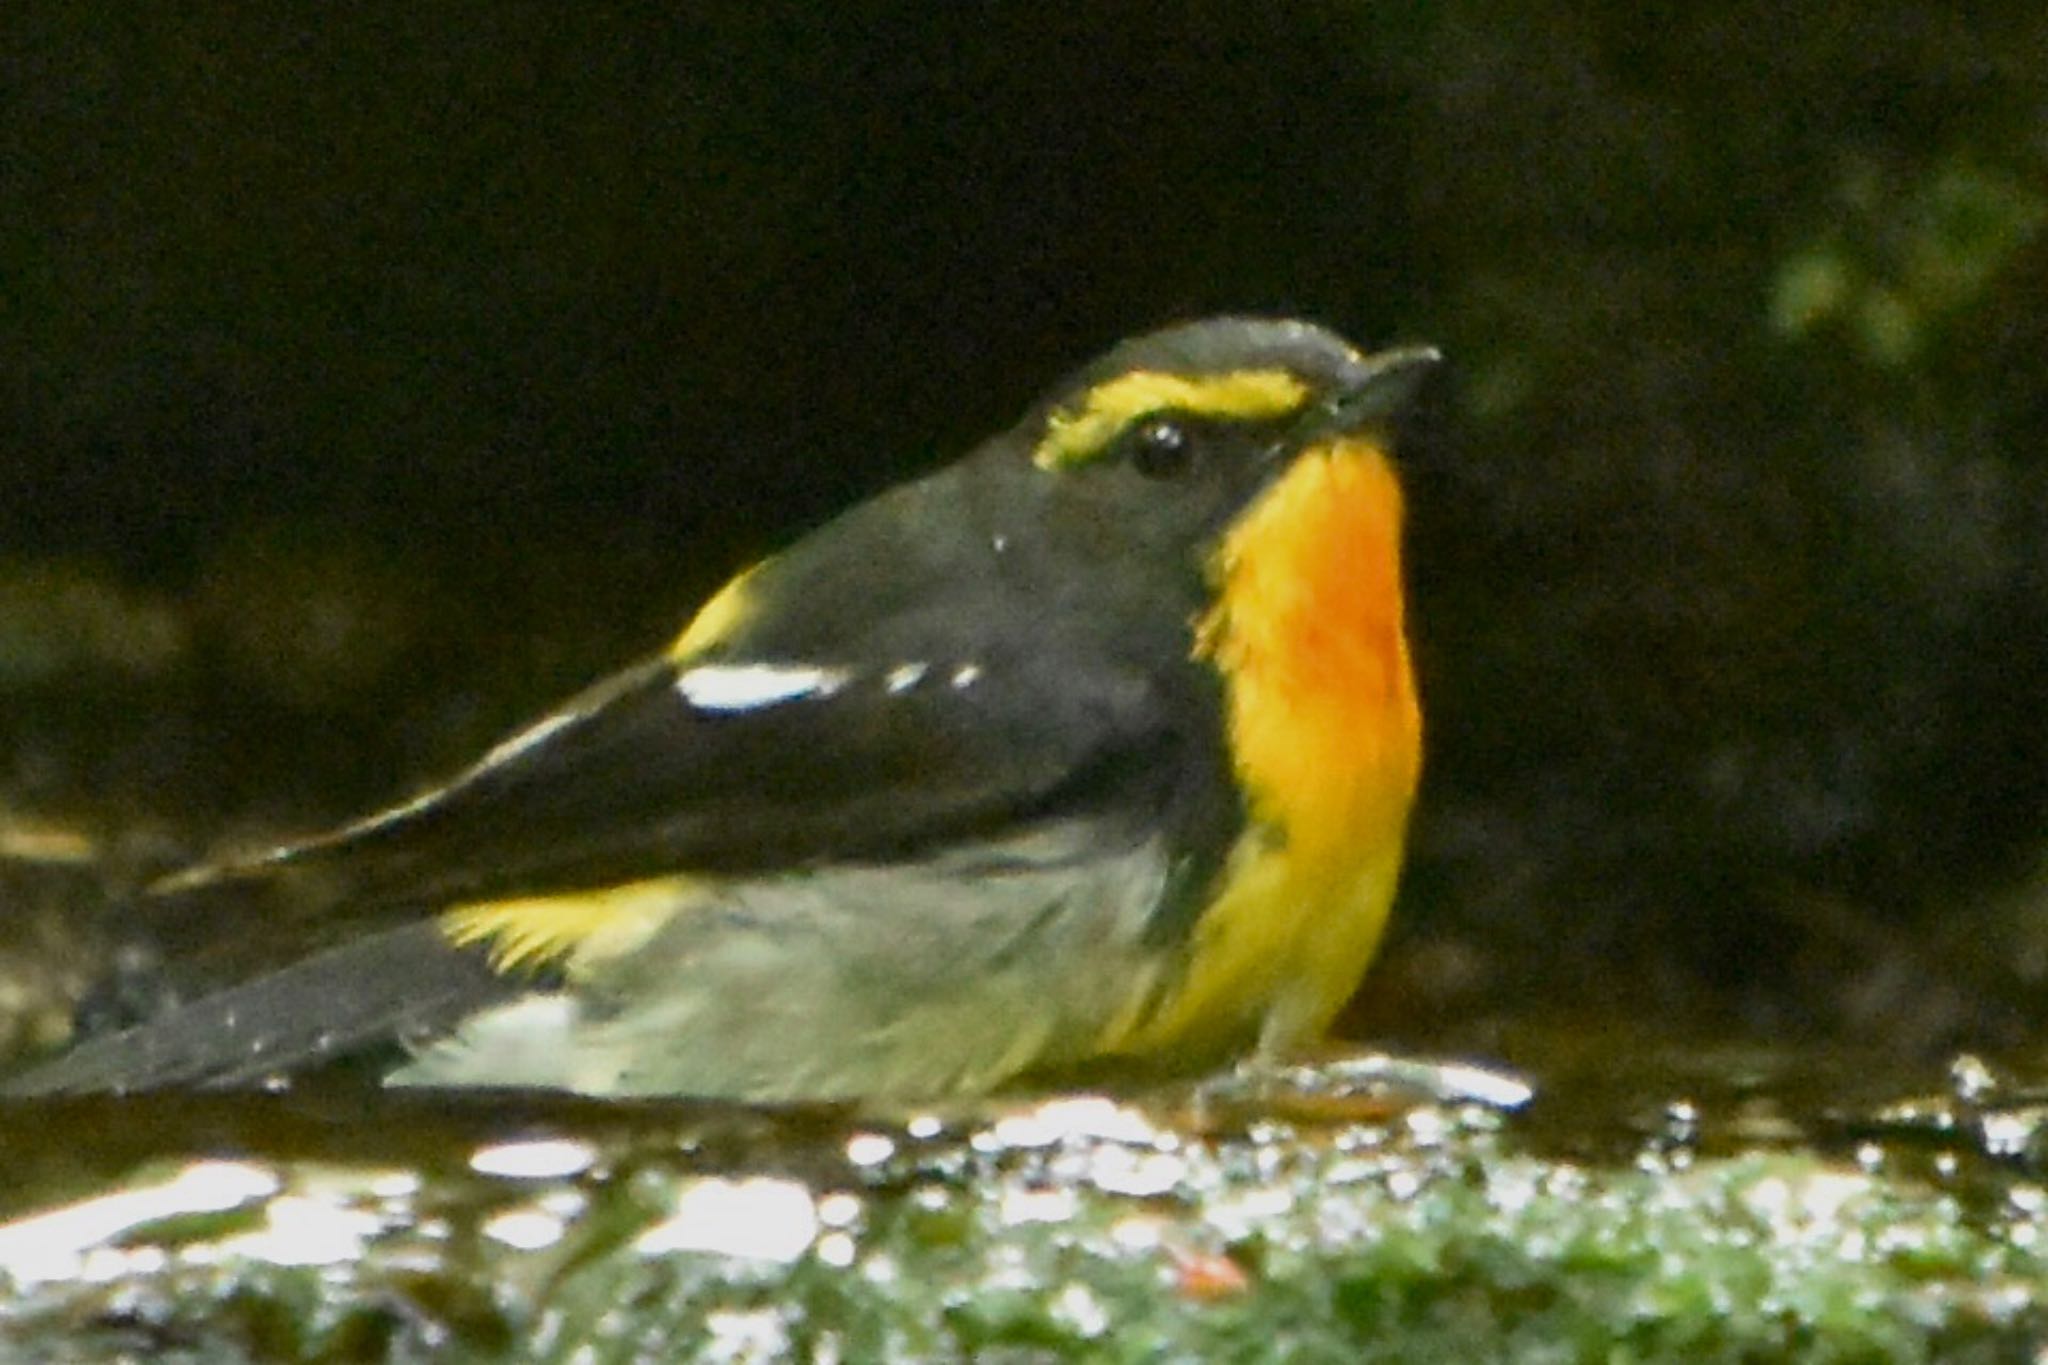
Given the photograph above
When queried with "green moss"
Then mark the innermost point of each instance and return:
(1078, 1230)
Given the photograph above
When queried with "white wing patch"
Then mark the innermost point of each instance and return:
(903, 677)
(749, 687)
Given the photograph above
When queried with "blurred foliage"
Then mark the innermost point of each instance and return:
(1899, 265)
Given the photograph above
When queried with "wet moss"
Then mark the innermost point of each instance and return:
(1073, 1228)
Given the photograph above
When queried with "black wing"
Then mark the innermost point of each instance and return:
(734, 767)
(716, 769)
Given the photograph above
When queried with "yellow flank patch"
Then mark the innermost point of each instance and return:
(584, 926)
(1325, 736)
(1078, 434)
(717, 618)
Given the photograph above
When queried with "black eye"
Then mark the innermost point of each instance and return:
(1161, 448)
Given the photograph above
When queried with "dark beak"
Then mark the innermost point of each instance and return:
(1380, 387)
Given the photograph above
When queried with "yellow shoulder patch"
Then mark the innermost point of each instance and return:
(585, 926)
(717, 618)
(1079, 433)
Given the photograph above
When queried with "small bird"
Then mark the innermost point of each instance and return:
(1091, 752)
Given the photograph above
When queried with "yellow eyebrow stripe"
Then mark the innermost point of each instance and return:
(1079, 433)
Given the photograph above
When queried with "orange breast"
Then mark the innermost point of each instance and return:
(1308, 632)
(1326, 739)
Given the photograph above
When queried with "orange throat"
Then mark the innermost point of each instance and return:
(1326, 741)
(1325, 731)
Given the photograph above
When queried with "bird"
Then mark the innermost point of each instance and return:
(1090, 753)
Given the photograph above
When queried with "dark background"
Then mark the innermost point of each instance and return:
(372, 376)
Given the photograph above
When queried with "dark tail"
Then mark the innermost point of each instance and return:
(399, 986)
